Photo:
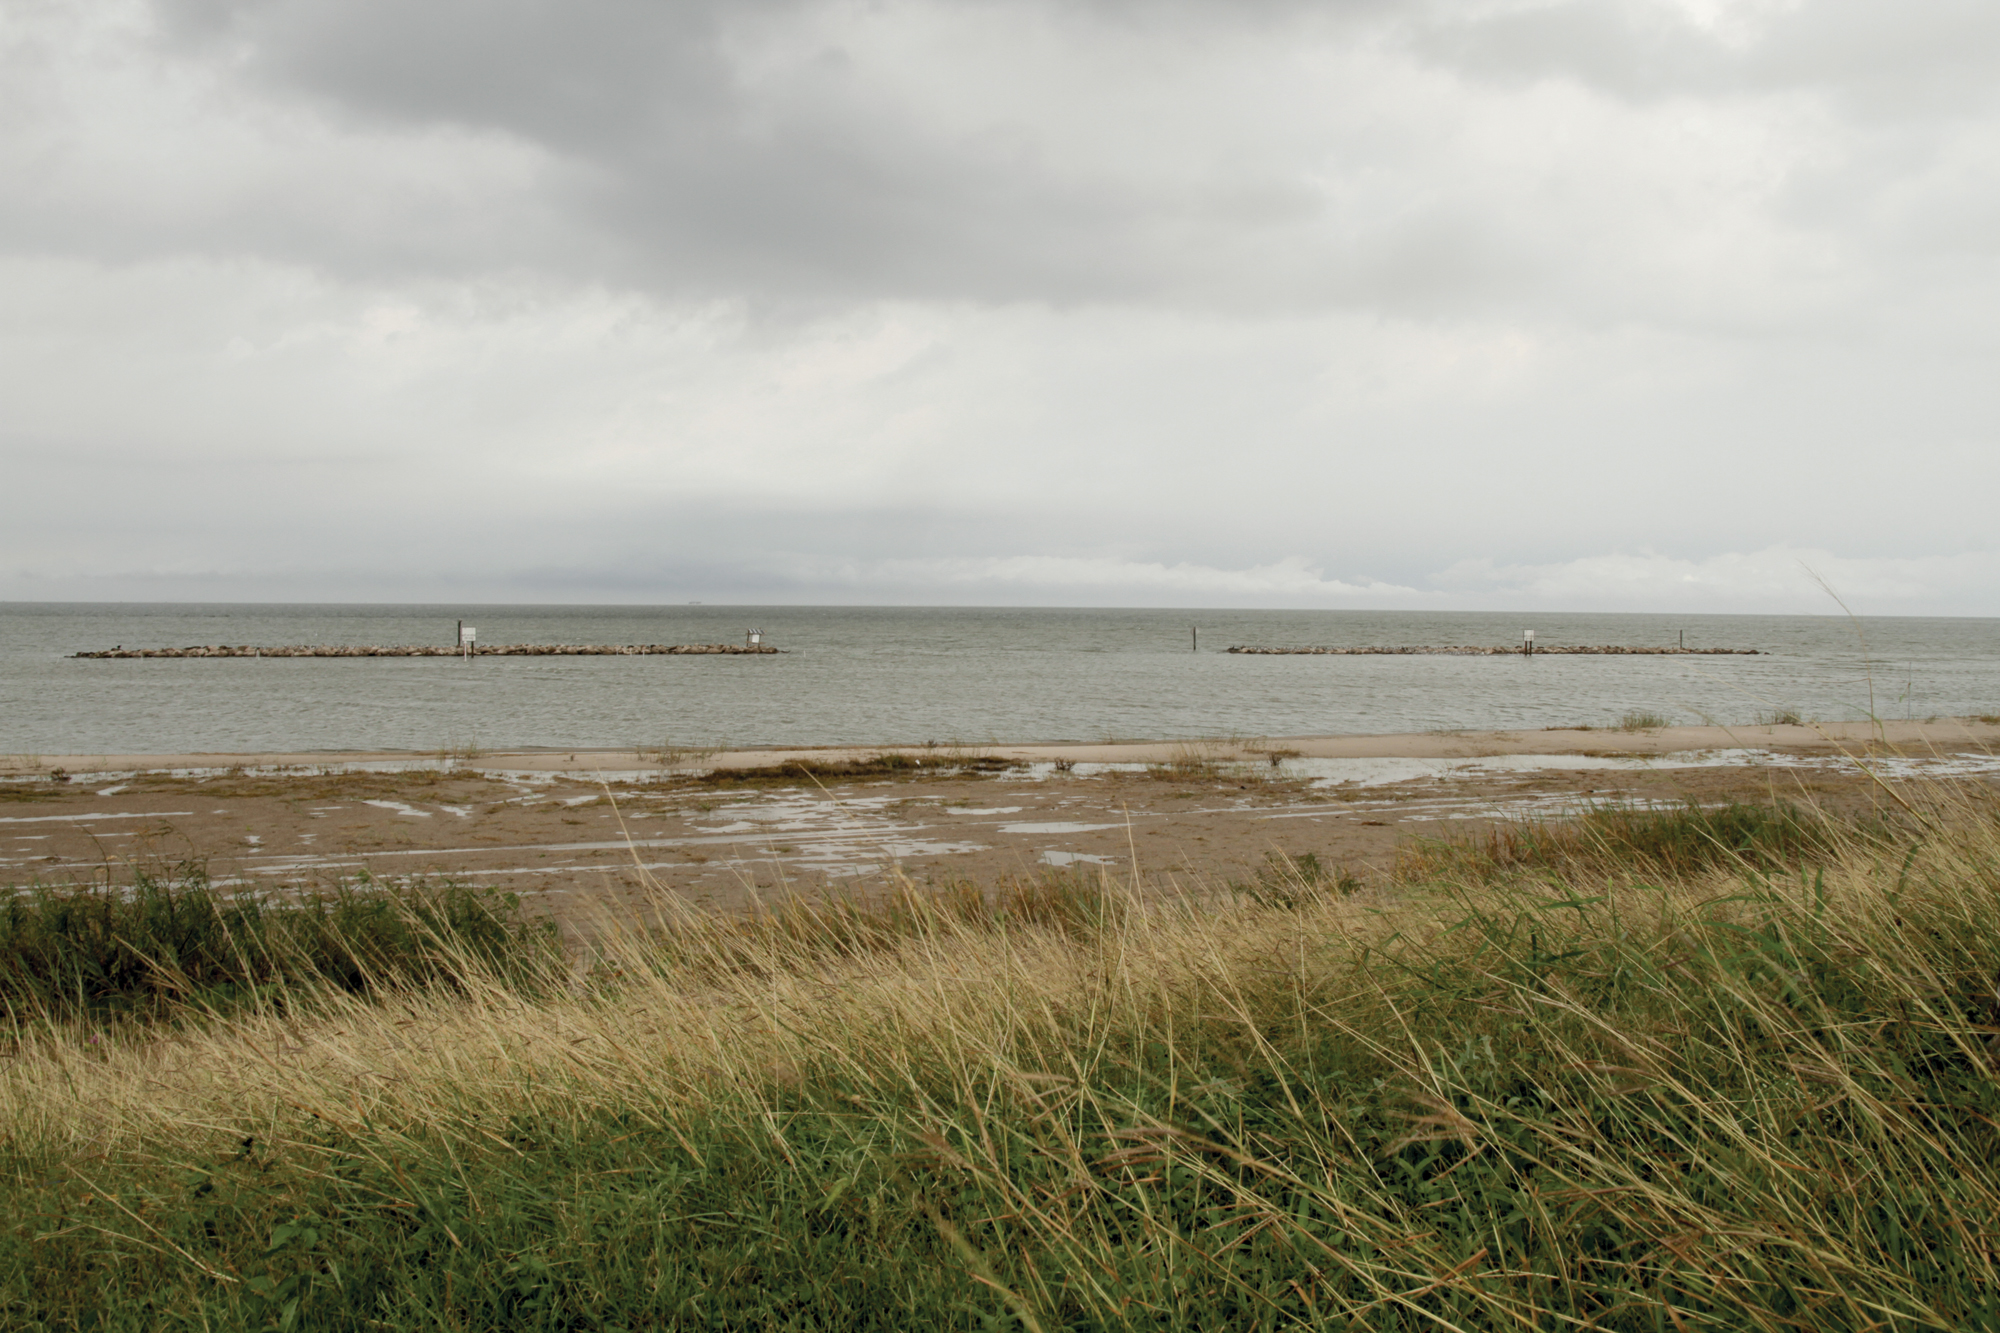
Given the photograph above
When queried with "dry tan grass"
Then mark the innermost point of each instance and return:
(628, 1032)
(631, 1031)
(729, 1003)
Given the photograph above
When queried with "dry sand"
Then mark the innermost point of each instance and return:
(569, 828)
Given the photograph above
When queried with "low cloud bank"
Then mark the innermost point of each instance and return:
(1778, 580)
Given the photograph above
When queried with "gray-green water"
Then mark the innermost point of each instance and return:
(908, 675)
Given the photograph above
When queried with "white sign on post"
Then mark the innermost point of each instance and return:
(467, 634)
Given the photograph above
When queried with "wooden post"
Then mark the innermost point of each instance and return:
(1194, 643)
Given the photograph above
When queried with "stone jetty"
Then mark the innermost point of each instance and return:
(433, 650)
(1551, 650)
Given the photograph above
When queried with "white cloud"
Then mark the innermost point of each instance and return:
(1774, 580)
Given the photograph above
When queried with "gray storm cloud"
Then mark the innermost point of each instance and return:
(1243, 156)
(1599, 304)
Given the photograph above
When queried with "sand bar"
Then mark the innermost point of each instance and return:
(1942, 734)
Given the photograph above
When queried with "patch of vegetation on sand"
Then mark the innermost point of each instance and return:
(941, 763)
(298, 785)
(1677, 1069)
(1643, 719)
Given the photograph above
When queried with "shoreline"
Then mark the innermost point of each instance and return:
(1821, 737)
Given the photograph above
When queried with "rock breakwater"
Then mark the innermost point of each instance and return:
(433, 650)
(1553, 650)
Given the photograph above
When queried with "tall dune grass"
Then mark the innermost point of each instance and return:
(1751, 1090)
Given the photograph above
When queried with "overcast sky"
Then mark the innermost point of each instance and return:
(1564, 304)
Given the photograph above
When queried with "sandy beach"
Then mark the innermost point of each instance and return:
(569, 829)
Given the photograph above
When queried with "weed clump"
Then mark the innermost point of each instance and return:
(1191, 763)
(1289, 882)
(1643, 720)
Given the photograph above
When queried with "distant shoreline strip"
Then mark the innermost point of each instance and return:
(1552, 650)
(433, 650)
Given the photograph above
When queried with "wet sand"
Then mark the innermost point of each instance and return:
(572, 829)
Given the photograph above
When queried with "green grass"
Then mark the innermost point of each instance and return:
(1674, 842)
(170, 944)
(1694, 1069)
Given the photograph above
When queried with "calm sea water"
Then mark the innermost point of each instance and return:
(908, 675)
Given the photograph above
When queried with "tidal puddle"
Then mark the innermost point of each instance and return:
(400, 808)
(1055, 858)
